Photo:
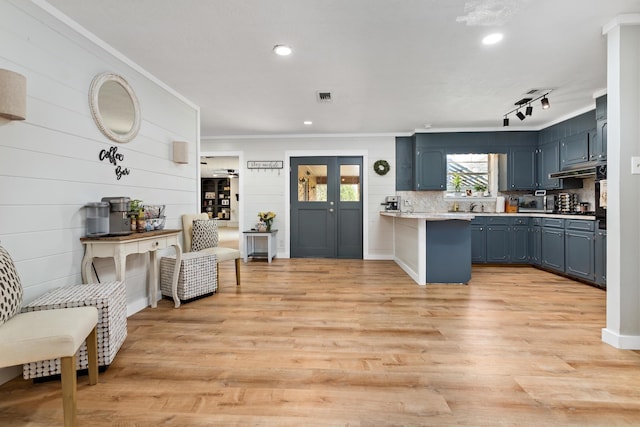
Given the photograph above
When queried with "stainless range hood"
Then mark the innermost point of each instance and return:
(585, 171)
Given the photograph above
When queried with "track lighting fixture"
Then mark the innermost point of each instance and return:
(544, 101)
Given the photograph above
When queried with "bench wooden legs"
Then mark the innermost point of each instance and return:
(70, 382)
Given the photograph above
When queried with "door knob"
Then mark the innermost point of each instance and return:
(331, 203)
(331, 210)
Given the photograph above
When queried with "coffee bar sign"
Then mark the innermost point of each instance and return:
(112, 156)
(265, 164)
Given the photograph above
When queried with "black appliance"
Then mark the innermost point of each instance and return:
(601, 196)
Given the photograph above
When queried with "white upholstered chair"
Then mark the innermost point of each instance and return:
(48, 334)
(222, 253)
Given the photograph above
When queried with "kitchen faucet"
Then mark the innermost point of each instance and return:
(472, 206)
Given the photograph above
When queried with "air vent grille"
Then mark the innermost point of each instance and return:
(323, 96)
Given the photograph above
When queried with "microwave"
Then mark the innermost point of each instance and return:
(531, 203)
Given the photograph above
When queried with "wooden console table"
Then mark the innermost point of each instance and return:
(250, 244)
(118, 247)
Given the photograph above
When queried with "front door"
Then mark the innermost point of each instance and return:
(326, 207)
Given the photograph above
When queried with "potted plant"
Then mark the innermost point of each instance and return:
(456, 181)
(480, 189)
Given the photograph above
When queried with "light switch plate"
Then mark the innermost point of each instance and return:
(635, 165)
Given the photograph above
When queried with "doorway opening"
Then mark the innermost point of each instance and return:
(220, 195)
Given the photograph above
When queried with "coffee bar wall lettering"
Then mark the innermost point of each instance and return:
(216, 198)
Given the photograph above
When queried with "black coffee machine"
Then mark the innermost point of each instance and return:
(391, 204)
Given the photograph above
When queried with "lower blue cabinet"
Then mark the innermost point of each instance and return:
(498, 243)
(579, 254)
(552, 243)
(535, 245)
(600, 268)
(478, 241)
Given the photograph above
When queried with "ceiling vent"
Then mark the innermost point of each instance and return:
(323, 96)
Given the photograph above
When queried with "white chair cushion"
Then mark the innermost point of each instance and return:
(10, 287)
(47, 334)
(222, 253)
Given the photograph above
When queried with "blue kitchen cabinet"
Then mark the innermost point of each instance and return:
(579, 251)
(478, 241)
(548, 162)
(498, 244)
(598, 150)
(430, 169)
(522, 168)
(520, 241)
(535, 242)
(600, 267)
(552, 244)
(404, 163)
(574, 149)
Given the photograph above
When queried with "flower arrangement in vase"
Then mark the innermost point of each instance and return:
(267, 219)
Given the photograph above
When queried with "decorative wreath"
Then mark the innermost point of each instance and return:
(381, 167)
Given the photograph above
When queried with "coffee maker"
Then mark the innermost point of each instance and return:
(391, 204)
(119, 220)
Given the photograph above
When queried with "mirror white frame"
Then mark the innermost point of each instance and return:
(104, 111)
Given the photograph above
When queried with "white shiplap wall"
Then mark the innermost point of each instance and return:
(263, 190)
(49, 165)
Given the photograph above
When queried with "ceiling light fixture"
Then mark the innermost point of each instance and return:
(308, 122)
(545, 102)
(528, 110)
(282, 50)
(492, 38)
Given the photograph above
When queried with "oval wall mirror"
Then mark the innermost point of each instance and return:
(114, 107)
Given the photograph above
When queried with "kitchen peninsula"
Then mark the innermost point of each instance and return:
(433, 247)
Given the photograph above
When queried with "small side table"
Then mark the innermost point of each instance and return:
(250, 244)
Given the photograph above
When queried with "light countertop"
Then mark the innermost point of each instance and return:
(443, 216)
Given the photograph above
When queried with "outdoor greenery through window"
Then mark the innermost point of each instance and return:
(467, 174)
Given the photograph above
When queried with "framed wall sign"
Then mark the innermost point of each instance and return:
(265, 164)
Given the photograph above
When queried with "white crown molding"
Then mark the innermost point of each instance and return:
(620, 20)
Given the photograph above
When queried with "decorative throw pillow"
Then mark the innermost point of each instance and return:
(204, 234)
(10, 288)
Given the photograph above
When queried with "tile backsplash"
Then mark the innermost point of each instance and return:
(434, 201)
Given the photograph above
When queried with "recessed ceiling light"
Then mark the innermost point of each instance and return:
(492, 38)
(308, 122)
(282, 50)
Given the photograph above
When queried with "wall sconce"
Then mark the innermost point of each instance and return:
(181, 152)
(13, 95)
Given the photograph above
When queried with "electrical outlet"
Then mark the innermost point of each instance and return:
(407, 202)
(635, 165)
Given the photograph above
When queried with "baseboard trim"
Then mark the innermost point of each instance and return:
(623, 342)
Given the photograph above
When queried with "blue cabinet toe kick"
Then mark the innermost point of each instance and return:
(448, 254)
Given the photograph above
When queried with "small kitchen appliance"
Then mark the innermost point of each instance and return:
(391, 204)
(97, 219)
(119, 220)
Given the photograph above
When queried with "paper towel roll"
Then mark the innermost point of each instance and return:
(499, 204)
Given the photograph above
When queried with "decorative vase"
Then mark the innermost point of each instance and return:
(268, 228)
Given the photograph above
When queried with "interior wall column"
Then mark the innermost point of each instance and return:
(623, 212)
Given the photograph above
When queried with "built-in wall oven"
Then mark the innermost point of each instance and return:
(601, 196)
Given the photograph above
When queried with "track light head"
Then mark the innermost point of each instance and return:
(545, 103)
(520, 115)
(505, 121)
(529, 110)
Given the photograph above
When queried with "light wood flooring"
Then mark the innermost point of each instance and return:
(306, 342)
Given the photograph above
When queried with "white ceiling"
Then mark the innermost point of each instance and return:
(392, 66)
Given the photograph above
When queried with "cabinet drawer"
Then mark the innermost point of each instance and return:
(521, 221)
(153, 244)
(498, 220)
(479, 220)
(553, 222)
(580, 225)
(536, 221)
